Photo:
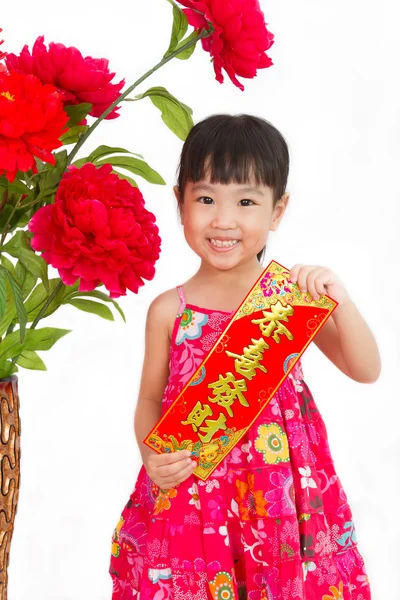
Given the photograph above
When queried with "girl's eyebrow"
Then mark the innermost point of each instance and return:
(206, 186)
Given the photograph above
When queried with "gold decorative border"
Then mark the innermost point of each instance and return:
(257, 300)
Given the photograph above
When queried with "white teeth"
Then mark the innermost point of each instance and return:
(223, 243)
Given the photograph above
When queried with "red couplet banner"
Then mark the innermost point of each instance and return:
(243, 370)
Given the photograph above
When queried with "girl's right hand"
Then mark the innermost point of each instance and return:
(169, 469)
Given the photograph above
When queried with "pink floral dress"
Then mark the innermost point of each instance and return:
(271, 522)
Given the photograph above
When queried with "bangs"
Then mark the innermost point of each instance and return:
(235, 149)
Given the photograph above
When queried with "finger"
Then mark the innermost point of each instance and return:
(302, 277)
(169, 471)
(317, 275)
(184, 476)
(311, 277)
(169, 458)
(294, 271)
(175, 479)
(319, 286)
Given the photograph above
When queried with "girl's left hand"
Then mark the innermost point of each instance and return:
(319, 281)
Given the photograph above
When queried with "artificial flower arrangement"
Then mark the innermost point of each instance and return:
(86, 217)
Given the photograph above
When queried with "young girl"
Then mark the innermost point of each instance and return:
(273, 525)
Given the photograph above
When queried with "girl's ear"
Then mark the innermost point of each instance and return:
(179, 201)
(279, 211)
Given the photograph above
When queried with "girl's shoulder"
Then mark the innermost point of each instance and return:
(164, 309)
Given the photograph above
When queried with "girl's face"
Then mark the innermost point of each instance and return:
(228, 224)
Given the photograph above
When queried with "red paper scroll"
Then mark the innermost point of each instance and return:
(259, 347)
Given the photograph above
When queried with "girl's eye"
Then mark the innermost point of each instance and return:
(208, 198)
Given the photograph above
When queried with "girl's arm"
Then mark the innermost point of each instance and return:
(166, 470)
(345, 337)
(155, 371)
(348, 342)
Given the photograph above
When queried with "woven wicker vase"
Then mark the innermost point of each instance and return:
(10, 455)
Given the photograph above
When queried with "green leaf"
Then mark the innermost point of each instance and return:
(189, 51)
(91, 307)
(136, 166)
(7, 264)
(15, 186)
(5, 213)
(101, 152)
(25, 176)
(80, 162)
(50, 176)
(45, 195)
(10, 309)
(73, 134)
(7, 368)
(3, 292)
(18, 301)
(34, 263)
(23, 220)
(26, 280)
(123, 176)
(176, 115)
(100, 296)
(35, 339)
(77, 112)
(39, 296)
(20, 239)
(40, 165)
(19, 217)
(179, 27)
(30, 360)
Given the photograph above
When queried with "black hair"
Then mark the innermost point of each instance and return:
(235, 146)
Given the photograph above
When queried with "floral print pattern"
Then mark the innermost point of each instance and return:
(191, 325)
(251, 502)
(273, 444)
(272, 522)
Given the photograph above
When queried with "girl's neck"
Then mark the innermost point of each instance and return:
(221, 289)
(244, 273)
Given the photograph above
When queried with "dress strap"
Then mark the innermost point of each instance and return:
(183, 300)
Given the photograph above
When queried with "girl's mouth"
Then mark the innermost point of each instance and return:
(220, 246)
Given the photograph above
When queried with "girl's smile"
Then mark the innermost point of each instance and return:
(219, 244)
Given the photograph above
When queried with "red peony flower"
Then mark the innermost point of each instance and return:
(98, 229)
(240, 37)
(32, 119)
(78, 79)
(2, 54)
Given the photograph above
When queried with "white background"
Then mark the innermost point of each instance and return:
(333, 94)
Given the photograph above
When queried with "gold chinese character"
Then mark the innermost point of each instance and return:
(212, 427)
(279, 313)
(197, 415)
(247, 363)
(225, 395)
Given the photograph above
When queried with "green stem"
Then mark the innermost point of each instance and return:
(204, 33)
(9, 220)
(41, 312)
(4, 201)
(33, 202)
(46, 304)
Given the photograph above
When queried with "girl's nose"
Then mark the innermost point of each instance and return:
(224, 219)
